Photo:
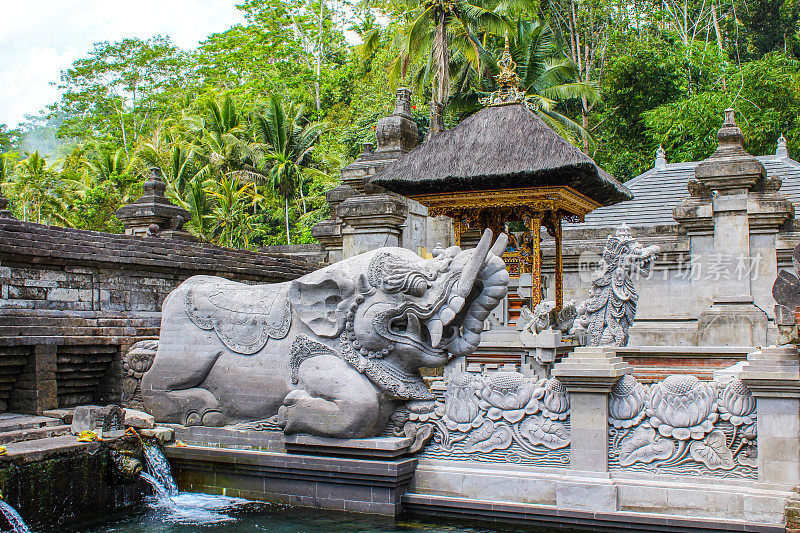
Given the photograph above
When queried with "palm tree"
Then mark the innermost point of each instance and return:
(232, 213)
(113, 167)
(219, 144)
(280, 153)
(546, 75)
(37, 187)
(435, 26)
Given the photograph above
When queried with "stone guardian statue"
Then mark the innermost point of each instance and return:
(604, 319)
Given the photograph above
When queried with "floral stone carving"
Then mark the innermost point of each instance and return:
(496, 417)
(683, 426)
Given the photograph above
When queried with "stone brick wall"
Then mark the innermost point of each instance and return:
(73, 301)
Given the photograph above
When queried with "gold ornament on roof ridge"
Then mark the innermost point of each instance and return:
(507, 79)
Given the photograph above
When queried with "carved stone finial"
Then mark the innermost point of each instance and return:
(398, 131)
(154, 186)
(661, 160)
(782, 152)
(153, 208)
(729, 135)
(730, 167)
(437, 118)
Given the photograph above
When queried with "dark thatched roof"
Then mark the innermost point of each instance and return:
(499, 147)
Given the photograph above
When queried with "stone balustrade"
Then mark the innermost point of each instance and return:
(595, 441)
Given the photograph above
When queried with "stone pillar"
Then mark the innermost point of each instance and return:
(370, 222)
(36, 390)
(773, 376)
(730, 202)
(375, 217)
(588, 374)
(329, 231)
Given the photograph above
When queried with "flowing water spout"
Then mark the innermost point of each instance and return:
(13, 517)
(158, 468)
(184, 507)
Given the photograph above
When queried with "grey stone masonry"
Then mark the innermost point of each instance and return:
(153, 214)
(336, 483)
(363, 216)
(73, 301)
(773, 375)
(588, 374)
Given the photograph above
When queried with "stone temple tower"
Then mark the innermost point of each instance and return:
(364, 216)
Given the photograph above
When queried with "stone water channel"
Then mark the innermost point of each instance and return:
(170, 511)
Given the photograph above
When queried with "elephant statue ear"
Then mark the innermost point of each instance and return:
(322, 305)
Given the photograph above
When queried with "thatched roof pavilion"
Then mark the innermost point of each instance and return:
(505, 164)
(500, 147)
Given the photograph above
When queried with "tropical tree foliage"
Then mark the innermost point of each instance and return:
(250, 129)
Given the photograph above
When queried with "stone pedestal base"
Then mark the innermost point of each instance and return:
(588, 374)
(335, 483)
(359, 475)
(773, 375)
(377, 448)
(732, 324)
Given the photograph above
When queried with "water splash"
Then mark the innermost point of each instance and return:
(14, 519)
(158, 468)
(182, 507)
(161, 490)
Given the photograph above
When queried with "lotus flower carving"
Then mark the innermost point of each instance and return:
(682, 407)
(462, 412)
(626, 402)
(737, 404)
(555, 400)
(509, 396)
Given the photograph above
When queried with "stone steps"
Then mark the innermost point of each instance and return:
(36, 450)
(22, 435)
(16, 422)
(515, 303)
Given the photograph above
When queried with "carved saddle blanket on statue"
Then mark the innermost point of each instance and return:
(243, 316)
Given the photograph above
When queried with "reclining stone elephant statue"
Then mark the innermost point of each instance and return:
(333, 353)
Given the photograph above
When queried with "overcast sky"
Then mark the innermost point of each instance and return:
(40, 38)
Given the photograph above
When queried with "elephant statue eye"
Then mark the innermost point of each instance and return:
(418, 288)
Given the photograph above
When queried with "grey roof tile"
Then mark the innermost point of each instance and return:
(655, 193)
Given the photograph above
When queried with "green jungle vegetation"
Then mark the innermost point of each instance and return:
(251, 128)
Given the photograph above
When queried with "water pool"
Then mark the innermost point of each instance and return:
(199, 513)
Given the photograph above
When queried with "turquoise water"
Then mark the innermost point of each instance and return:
(199, 513)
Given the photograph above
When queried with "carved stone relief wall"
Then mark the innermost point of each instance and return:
(501, 417)
(683, 426)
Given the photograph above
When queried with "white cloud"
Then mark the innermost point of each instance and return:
(40, 38)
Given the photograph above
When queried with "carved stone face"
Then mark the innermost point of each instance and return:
(422, 312)
(623, 257)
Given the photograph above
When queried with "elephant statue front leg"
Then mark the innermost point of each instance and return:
(191, 407)
(333, 400)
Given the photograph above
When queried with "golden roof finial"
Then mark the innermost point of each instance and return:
(507, 79)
